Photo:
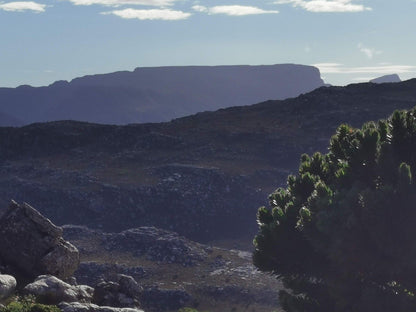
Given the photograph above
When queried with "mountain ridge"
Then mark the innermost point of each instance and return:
(155, 94)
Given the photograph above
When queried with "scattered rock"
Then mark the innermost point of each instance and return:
(7, 286)
(50, 290)
(157, 245)
(90, 272)
(89, 307)
(152, 243)
(31, 245)
(124, 292)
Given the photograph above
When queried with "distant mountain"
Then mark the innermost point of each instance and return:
(387, 79)
(155, 94)
(203, 176)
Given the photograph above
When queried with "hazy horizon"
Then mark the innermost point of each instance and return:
(366, 79)
(348, 40)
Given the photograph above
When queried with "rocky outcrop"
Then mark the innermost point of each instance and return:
(7, 286)
(216, 277)
(123, 292)
(91, 272)
(49, 289)
(31, 245)
(149, 242)
(89, 307)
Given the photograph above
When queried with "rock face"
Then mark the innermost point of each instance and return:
(155, 94)
(50, 290)
(30, 245)
(7, 286)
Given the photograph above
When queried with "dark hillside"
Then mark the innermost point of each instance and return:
(203, 176)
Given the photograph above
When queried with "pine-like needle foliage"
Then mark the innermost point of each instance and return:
(342, 234)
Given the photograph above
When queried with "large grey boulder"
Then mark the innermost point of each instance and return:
(31, 245)
(51, 290)
(7, 286)
(89, 307)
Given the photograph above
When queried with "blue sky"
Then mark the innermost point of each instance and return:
(42, 41)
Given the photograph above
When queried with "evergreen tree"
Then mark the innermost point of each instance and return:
(342, 234)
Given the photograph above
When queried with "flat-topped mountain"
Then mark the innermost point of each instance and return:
(387, 79)
(154, 94)
(203, 176)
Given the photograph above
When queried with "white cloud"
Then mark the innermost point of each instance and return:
(232, 10)
(326, 5)
(200, 8)
(369, 52)
(159, 3)
(22, 6)
(336, 68)
(154, 14)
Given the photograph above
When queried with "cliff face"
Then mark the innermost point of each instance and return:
(203, 176)
(154, 94)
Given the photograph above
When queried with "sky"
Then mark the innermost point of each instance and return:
(350, 41)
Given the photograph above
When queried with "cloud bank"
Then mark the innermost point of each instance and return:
(337, 68)
(155, 14)
(326, 6)
(158, 3)
(232, 10)
(23, 6)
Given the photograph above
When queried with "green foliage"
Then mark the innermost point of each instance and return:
(28, 304)
(341, 235)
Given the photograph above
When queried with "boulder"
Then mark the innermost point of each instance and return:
(89, 307)
(124, 292)
(50, 290)
(31, 245)
(7, 286)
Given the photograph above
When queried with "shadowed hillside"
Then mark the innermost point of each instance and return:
(203, 176)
